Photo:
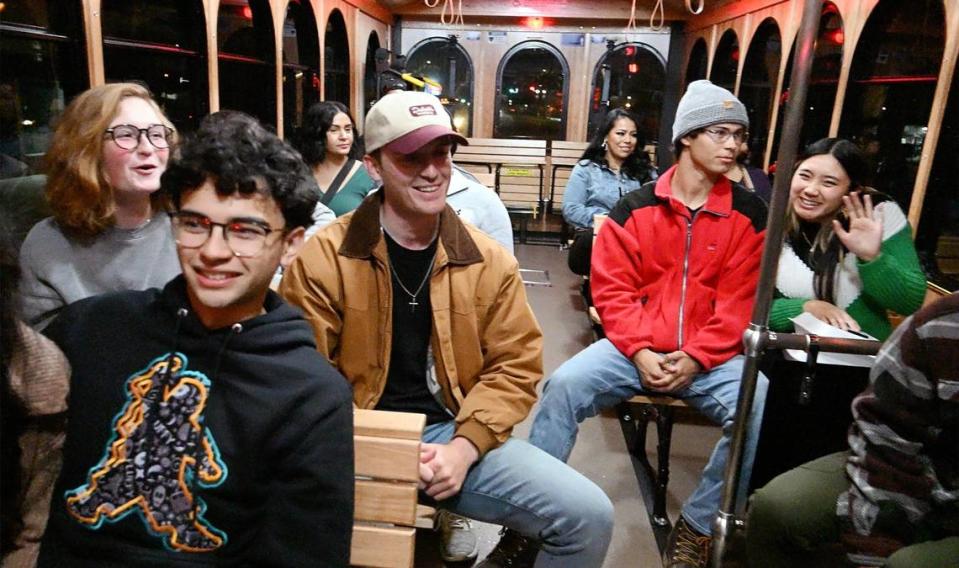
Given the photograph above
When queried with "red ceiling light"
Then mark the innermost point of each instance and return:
(835, 36)
(247, 12)
(534, 22)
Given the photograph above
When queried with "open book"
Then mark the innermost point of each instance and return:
(807, 323)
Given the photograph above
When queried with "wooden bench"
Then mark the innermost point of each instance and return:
(562, 158)
(386, 511)
(519, 167)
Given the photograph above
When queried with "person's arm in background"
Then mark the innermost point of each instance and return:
(322, 216)
(40, 301)
(575, 210)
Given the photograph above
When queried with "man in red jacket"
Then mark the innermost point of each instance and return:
(674, 271)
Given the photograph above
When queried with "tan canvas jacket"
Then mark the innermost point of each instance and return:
(486, 342)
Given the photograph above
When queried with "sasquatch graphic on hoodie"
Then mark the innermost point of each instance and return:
(164, 404)
(193, 447)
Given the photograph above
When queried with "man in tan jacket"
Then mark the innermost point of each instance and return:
(423, 313)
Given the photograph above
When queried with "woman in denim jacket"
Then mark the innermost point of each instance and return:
(613, 164)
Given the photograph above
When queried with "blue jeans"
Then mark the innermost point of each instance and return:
(525, 489)
(600, 376)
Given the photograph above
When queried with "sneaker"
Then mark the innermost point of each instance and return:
(457, 541)
(686, 548)
(512, 551)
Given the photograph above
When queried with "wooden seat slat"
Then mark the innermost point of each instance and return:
(382, 547)
(387, 449)
(385, 502)
(520, 143)
(506, 153)
(404, 425)
(387, 458)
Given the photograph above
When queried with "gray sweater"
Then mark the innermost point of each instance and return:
(58, 270)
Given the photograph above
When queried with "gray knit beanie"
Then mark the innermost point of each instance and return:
(705, 104)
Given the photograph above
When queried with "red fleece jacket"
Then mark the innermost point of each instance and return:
(665, 279)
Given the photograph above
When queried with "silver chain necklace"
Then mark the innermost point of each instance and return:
(413, 303)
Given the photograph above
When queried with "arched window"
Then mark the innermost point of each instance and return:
(939, 222)
(531, 88)
(446, 62)
(698, 59)
(247, 57)
(161, 43)
(726, 62)
(823, 81)
(43, 68)
(369, 72)
(637, 76)
(301, 60)
(760, 73)
(892, 83)
(336, 60)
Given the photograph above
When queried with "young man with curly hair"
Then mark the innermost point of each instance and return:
(204, 427)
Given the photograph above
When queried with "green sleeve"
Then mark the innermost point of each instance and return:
(782, 310)
(894, 279)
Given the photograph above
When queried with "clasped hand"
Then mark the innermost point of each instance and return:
(667, 373)
(443, 467)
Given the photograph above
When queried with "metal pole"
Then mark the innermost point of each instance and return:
(755, 336)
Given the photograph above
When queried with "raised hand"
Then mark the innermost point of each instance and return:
(864, 237)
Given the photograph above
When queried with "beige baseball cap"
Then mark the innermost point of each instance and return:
(405, 121)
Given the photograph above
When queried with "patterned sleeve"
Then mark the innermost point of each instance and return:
(903, 464)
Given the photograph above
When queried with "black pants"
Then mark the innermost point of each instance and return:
(580, 252)
(792, 433)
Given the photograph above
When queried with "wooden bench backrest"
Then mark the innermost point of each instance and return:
(387, 446)
(495, 151)
(487, 179)
(563, 156)
(519, 166)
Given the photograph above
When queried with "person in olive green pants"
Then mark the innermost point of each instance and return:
(893, 499)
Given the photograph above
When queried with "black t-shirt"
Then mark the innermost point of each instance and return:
(406, 386)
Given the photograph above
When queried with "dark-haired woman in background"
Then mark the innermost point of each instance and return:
(34, 381)
(330, 146)
(613, 164)
(848, 258)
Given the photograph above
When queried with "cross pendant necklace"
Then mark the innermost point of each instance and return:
(426, 278)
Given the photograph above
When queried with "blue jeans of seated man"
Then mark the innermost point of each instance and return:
(525, 489)
(600, 376)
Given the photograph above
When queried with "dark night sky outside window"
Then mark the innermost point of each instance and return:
(760, 73)
(431, 59)
(531, 97)
(170, 35)
(247, 59)
(43, 67)
(637, 78)
(821, 96)
(696, 69)
(301, 76)
(726, 62)
(337, 59)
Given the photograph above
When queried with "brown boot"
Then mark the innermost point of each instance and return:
(686, 548)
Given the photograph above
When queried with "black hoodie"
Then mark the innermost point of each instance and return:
(265, 416)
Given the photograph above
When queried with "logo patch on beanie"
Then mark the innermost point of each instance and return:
(728, 104)
(422, 110)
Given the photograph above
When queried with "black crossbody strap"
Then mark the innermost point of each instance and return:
(338, 181)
